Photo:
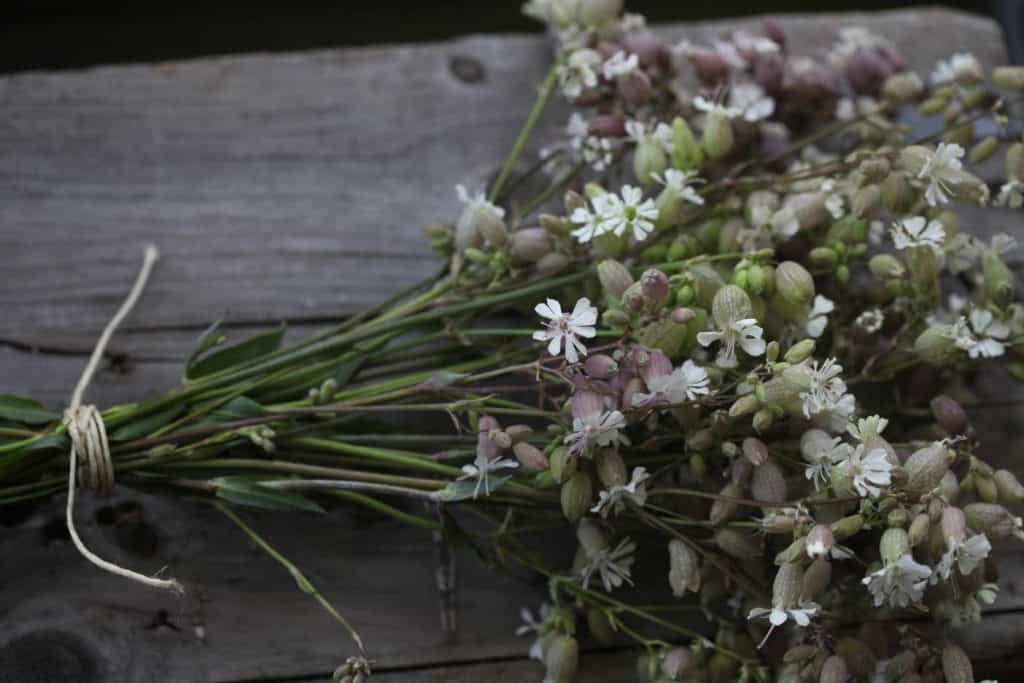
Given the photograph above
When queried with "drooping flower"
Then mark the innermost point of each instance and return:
(822, 452)
(980, 334)
(898, 584)
(597, 429)
(564, 328)
(777, 616)
(579, 72)
(965, 555)
(835, 203)
(613, 566)
(745, 332)
(680, 181)
(917, 231)
(534, 625)
(629, 212)
(817, 319)
(941, 169)
(688, 382)
(869, 469)
(960, 66)
(751, 102)
(1011, 194)
(616, 498)
(711, 107)
(827, 390)
(620, 64)
(481, 470)
(592, 223)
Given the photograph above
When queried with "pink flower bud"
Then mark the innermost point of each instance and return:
(650, 51)
(711, 68)
(655, 285)
(774, 31)
(769, 73)
(755, 451)
(820, 541)
(635, 88)
(949, 415)
(867, 70)
(683, 315)
(954, 524)
(657, 365)
(586, 403)
(530, 457)
(600, 366)
(486, 447)
(741, 471)
(608, 126)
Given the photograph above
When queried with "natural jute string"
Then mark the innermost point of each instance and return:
(89, 436)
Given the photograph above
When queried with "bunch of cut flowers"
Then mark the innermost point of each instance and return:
(727, 346)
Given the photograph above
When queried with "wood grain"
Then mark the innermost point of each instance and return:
(278, 187)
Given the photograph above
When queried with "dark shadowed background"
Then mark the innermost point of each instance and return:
(59, 34)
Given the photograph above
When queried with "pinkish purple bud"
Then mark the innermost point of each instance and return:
(769, 73)
(600, 366)
(607, 49)
(755, 451)
(741, 471)
(650, 51)
(711, 68)
(531, 458)
(486, 446)
(587, 403)
(608, 126)
(774, 31)
(633, 387)
(954, 524)
(820, 541)
(657, 365)
(867, 69)
(949, 415)
(683, 315)
(655, 285)
(635, 88)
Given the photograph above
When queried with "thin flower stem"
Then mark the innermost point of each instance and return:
(531, 120)
(386, 509)
(305, 585)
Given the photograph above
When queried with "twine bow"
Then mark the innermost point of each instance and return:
(90, 450)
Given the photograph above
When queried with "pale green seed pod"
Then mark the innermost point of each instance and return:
(1010, 489)
(562, 659)
(897, 194)
(577, 496)
(995, 521)
(925, 469)
(794, 283)
(847, 527)
(834, 670)
(895, 544)
(763, 420)
(530, 458)
(563, 465)
(718, 136)
(986, 489)
(800, 351)
(737, 544)
(956, 666)
(1011, 77)
(1015, 161)
(902, 87)
(664, 334)
(920, 528)
(983, 150)
(687, 155)
(684, 568)
(867, 199)
(816, 579)
(823, 256)
(615, 278)
(599, 12)
(649, 160)
(997, 278)
(724, 510)
(934, 345)
(933, 105)
(600, 627)
(611, 468)
(787, 585)
(730, 304)
(744, 405)
(529, 245)
(886, 266)
(794, 552)
(768, 483)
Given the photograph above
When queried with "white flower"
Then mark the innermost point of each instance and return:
(664, 135)
(556, 12)
(749, 42)
(822, 453)
(778, 616)
(679, 181)
(965, 555)
(961, 66)
(827, 389)
(834, 201)
(1011, 194)
(710, 107)
(592, 223)
(870, 470)
(612, 565)
(579, 72)
(817, 319)
(961, 252)
(629, 213)
(785, 223)
(600, 429)
(686, 383)
(481, 469)
(917, 231)
(620, 64)
(598, 152)
(476, 208)
(577, 129)
(853, 38)
(899, 584)
(745, 332)
(980, 334)
(566, 327)
(616, 498)
(750, 100)
(940, 170)
(871, 320)
(729, 53)
(535, 626)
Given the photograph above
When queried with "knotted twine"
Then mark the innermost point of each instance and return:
(88, 436)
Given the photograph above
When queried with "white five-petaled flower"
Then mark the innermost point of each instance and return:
(711, 107)
(817, 319)
(822, 452)
(940, 170)
(1011, 194)
(964, 555)
(612, 565)
(871, 320)
(534, 625)
(745, 332)
(751, 101)
(564, 328)
(592, 222)
(960, 66)
(629, 212)
(980, 334)
(870, 470)
(620, 64)
(579, 72)
(680, 181)
(899, 584)
(481, 470)
(686, 383)
(784, 223)
(827, 390)
(597, 429)
(777, 616)
(917, 231)
(835, 203)
(616, 497)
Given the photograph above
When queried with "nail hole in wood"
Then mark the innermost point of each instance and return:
(467, 69)
(48, 656)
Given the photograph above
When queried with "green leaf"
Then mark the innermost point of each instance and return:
(24, 410)
(207, 340)
(346, 369)
(464, 489)
(239, 408)
(240, 491)
(249, 350)
(146, 426)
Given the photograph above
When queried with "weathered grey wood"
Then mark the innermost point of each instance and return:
(278, 187)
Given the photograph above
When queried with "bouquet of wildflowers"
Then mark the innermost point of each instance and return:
(750, 307)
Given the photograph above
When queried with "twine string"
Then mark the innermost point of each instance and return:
(89, 441)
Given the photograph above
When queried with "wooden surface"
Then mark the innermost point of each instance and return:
(278, 187)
